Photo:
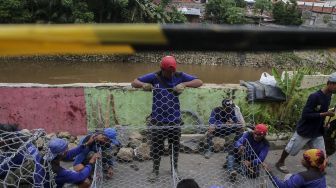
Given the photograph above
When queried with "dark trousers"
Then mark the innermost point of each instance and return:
(158, 133)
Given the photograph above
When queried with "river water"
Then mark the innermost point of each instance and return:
(63, 73)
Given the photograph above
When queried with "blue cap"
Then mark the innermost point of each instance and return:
(332, 77)
(56, 146)
(111, 133)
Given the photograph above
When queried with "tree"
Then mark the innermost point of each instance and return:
(60, 11)
(81, 13)
(176, 16)
(235, 15)
(261, 6)
(287, 13)
(223, 11)
(14, 11)
(109, 11)
(170, 13)
(86, 11)
(240, 3)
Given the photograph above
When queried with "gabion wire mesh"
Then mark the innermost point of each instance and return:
(175, 144)
(172, 145)
(22, 163)
(135, 165)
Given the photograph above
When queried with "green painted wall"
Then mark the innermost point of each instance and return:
(126, 106)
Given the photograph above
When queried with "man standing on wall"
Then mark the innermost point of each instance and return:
(310, 127)
(165, 121)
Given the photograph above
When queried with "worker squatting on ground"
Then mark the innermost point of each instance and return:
(165, 119)
(58, 152)
(224, 120)
(250, 150)
(104, 140)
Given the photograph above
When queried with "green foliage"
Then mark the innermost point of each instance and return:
(81, 13)
(289, 112)
(331, 62)
(147, 11)
(306, 15)
(235, 15)
(282, 116)
(60, 11)
(86, 11)
(240, 3)
(110, 11)
(224, 11)
(287, 13)
(176, 16)
(263, 5)
(326, 19)
(15, 11)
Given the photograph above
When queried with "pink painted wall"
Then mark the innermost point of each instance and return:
(53, 109)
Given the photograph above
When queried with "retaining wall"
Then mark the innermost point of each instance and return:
(78, 107)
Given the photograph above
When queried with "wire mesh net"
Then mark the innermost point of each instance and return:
(135, 164)
(22, 164)
(171, 145)
(174, 144)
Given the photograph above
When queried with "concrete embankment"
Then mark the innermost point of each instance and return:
(280, 60)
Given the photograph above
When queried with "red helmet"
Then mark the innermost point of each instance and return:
(168, 63)
(261, 128)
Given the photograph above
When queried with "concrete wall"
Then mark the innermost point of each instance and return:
(127, 106)
(77, 107)
(54, 109)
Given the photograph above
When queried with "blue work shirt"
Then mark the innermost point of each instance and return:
(260, 148)
(166, 104)
(297, 181)
(311, 123)
(19, 159)
(69, 176)
(94, 147)
(219, 116)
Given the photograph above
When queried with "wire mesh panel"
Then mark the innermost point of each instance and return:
(174, 144)
(98, 176)
(22, 164)
(135, 166)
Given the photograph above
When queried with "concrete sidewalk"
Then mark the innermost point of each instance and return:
(206, 171)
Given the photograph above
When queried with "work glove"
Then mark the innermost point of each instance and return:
(179, 88)
(147, 87)
(241, 150)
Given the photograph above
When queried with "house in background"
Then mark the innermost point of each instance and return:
(193, 10)
(193, 15)
(318, 13)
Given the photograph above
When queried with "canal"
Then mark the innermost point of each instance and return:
(85, 72)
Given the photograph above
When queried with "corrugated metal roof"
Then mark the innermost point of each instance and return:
(190, 11)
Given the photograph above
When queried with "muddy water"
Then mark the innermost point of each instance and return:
(62, 73)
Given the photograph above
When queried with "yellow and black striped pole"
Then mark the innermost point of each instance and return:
(130, 38)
